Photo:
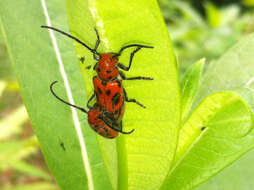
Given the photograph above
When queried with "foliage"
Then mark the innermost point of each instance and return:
(195, 36)
(15, 152)
(217, 118)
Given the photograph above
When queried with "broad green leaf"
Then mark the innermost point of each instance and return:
(233, 70)
(189, 87)
(54, 123)
(238, 176)
(140, 160)
(79, 165)
(216, 133)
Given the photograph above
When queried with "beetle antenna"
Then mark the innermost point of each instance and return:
(132, 45)
(124, 132)
(72, 37)
(120, 131)
(111, 125)
(52, 91)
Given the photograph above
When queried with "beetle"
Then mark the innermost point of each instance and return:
(109, 91)
(98, 120)
(108, 88)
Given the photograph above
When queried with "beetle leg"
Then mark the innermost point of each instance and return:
(132, 100)
(134, 78)
(121, 66)
(90, 99)
(95, 56)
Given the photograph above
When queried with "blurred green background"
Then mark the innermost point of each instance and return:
(198, 29)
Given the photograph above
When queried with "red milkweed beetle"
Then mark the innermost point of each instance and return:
(96, 118)
(108, 88)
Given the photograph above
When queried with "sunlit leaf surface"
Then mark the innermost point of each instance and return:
(144, 157)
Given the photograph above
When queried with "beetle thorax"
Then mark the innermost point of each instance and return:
(107, 67)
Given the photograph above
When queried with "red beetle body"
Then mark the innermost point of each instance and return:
(99, 120)
(110, 95)
(107, 67)
(98, 125)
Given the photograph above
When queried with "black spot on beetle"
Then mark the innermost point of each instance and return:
(108, 71)
(108, 92)
(98, 69)
(116, 99)
(99, 90)
(110, 77)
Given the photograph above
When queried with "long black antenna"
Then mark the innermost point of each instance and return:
(124, 132)
(112, 125)
(132, 45)
(72, 37)
(52, 91)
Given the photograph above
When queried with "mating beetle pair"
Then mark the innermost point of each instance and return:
(105, 116)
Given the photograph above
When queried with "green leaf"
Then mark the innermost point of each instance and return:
(37, 65)
(121, 23)
(216, 134)
(130, 160)
(232, 71)
(189, 87)
(238, 176)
